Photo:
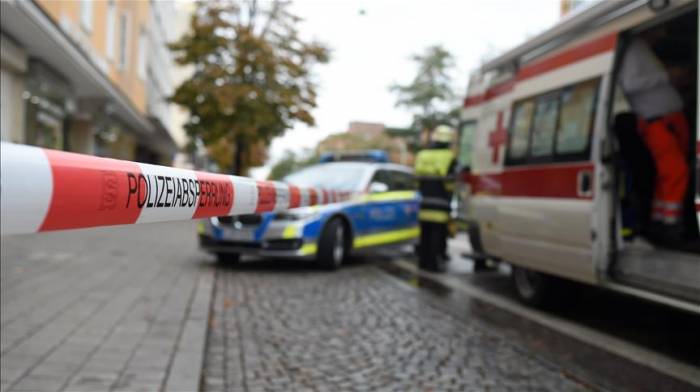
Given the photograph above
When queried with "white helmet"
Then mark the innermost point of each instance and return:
(443, 134)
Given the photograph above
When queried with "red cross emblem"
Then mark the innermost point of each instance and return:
(497, 137)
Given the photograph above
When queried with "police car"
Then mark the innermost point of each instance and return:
(383, 212)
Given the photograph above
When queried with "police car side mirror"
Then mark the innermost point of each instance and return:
(378, 187)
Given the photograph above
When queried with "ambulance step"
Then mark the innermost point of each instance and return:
(665, 271)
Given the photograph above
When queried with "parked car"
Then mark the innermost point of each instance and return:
(382, 212)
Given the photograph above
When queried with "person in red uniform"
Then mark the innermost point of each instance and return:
(665, 131)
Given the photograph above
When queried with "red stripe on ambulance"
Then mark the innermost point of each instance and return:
(559, 181)
(493, 92)
(591, 48)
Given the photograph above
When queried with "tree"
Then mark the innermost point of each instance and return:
(252, 77)
(290, 163)
(430, 95)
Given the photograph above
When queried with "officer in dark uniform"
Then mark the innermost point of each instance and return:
(435, 169)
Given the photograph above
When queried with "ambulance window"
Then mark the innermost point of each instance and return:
(545, 125)
(577, 107)
(520, 129)
(466, 136)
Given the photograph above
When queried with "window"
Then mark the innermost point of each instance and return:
(520, 129)
(402, 181)
(554, 126)
(143, 52)
(577, 107)
(339, 176)
(86, 15)
(123, 41)
(466, 135)
(395, 180)
(382, 176)
(8, 105)
(111, 26)
(545, 124)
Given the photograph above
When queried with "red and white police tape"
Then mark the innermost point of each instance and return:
(43, 190)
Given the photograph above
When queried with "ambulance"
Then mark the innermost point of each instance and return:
(556, 180)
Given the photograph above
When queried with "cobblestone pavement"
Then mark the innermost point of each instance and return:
(104, 309)
(281, 326)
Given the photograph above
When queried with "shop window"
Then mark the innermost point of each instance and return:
(44, 123)
(113, 141)
(45, 101)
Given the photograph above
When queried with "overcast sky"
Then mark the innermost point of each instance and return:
(372, 42)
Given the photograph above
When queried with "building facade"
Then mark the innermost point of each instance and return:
(90, 76)
(361, 136)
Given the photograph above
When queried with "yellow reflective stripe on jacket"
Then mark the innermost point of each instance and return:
(386, 237)
(434, 162)
(433, 216)
(389, 196)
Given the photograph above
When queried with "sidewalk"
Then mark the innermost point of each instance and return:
(122, 309)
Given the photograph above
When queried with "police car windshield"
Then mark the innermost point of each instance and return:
(336, 176)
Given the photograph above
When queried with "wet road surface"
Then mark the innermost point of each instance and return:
(283, 325)
(668, 335)
(657, 327)
(140, 308)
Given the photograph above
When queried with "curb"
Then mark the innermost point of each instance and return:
(187, 365)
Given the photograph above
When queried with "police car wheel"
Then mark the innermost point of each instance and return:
(228, 258)
(332, 245)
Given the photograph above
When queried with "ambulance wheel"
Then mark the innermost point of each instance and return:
(228, 258)
(533, 288)
(332, 246)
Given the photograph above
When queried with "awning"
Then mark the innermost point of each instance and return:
(37, 33)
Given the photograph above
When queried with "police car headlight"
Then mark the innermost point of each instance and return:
(297, 214)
